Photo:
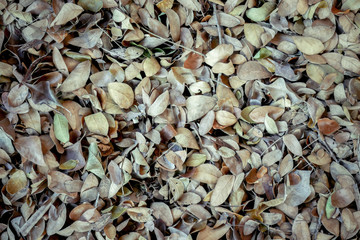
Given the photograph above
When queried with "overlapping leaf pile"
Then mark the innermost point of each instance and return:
(179, 119)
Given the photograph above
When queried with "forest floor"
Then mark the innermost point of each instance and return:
(186, 119)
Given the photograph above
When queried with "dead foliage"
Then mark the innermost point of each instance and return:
(184, 119)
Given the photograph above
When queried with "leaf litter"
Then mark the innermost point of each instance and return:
(180, 119)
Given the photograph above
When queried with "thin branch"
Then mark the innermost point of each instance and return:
(217, 23)
(173, 43)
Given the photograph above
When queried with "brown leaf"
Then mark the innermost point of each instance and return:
(252, 70)
(342, 198)
(30, 149)
(327, 126)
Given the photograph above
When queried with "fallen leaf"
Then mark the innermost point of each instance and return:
(122, 94)
(218, 54)
(308, 45)
(77, 78)
(68, 12)
(61, 128)
(30, 149)
(327, 126)
(222, 190)
(293, 144)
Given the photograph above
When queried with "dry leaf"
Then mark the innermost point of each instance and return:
(97, 123)
(198, 106)
(122, 94)
(30, 149)
(68, 12)
(308, 45)
(222, 190)
(186, 139)
(218, 54)
(292, 144)
(252, 70)
(327, 126)
(151, 66)
(77, 78)
(160, 104)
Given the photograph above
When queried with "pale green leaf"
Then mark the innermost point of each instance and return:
(261, 13)
(270, 125)
(61, 128)
(329, 208)
(94, 162)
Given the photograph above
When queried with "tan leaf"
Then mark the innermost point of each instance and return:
(68, 12)
(77, 78)
(165, 5)
(163, 212)
(158, 28)
(259, 113)
(198, 106)
(225, 118)
(122, 94)
(16, 182)
(206, 173)
(320, 157)
(30, 148)
(151, 66)
(252, 70)
(87, 39)
(209, 233)
(186, 139)
(253, 33)
(206, 123)
(270, 125)
(174, 22)
(97, 123)
(308, 45)
(191, 4)
(225, 68)
(140, 214)
(6, 69)
(351, 64)
(293, 144)
(218, 54)
(59, 62)
(160, 104)
(222, 190)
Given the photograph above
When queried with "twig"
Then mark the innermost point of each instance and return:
(217, 23)
(324, 143)
(318, 225)
(173, 43)
(271, 146)
(34, 219)
(246, 4)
